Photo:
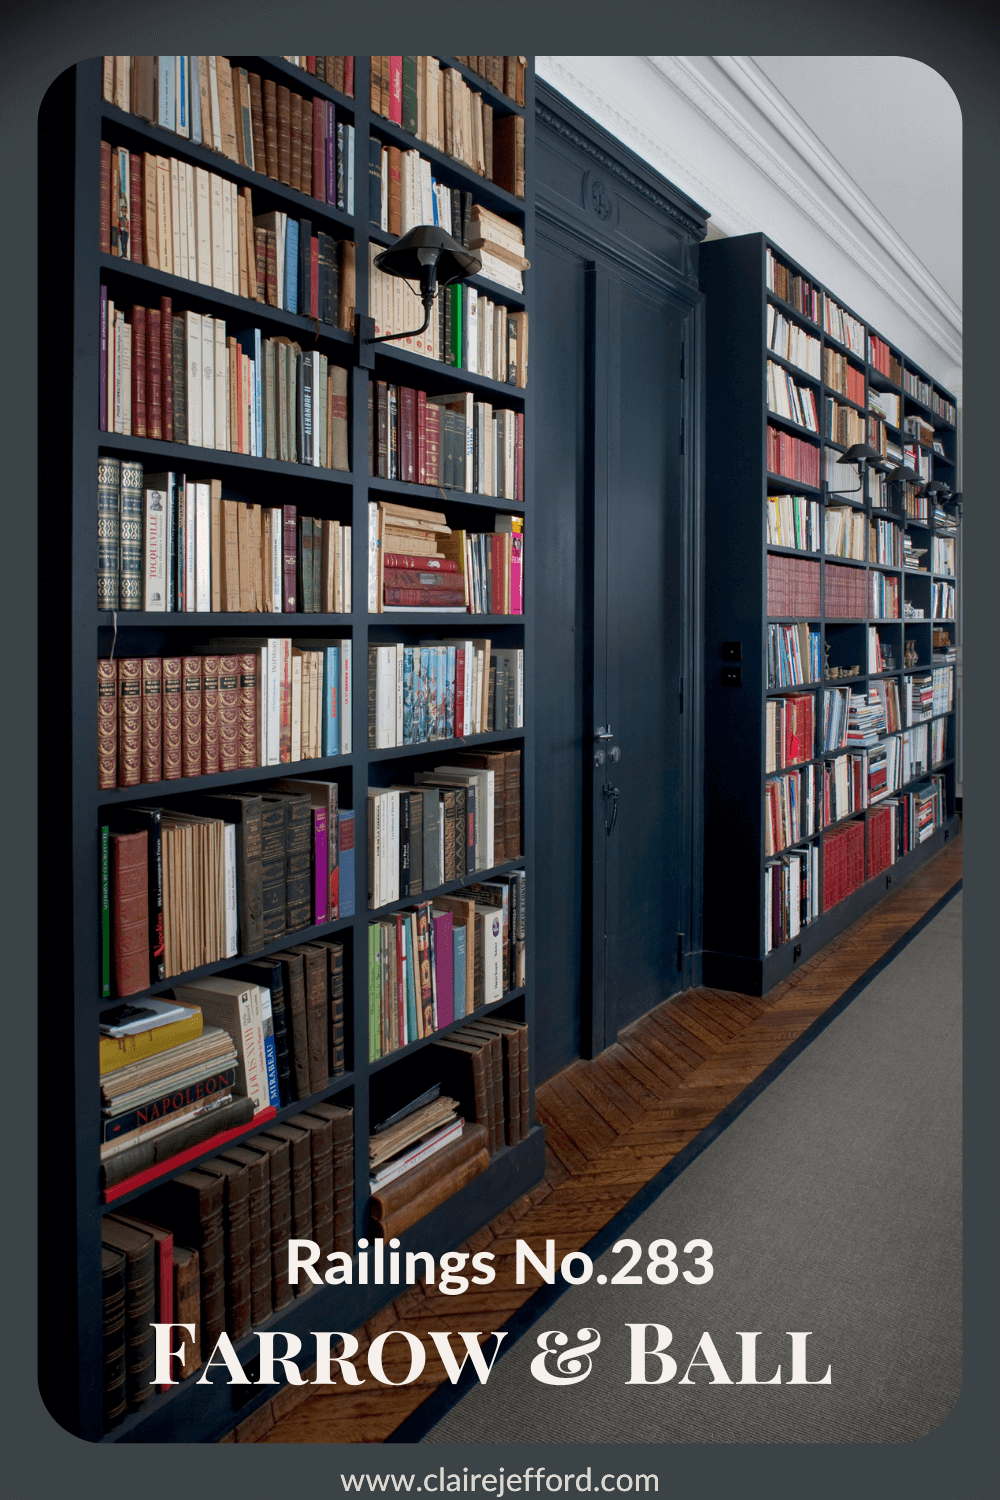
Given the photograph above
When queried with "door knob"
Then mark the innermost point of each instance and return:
(604, 733)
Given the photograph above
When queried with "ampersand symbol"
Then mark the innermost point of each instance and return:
(573, 1364)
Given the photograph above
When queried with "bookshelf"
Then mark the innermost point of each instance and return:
(841, 603)
(74, 120)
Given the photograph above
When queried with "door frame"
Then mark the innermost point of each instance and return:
(591, 227)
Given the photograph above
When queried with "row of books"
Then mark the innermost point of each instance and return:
(786, 399)
(844, 424)
(243, 393)
(792, 457)
(884, 596)
(885, 405)
(793, 587)
(793, 521)
(166, 718)
(789, 724)
(452, 441)
(217, 874)
(793, 655)
(431, 964)
(846, 532)
(186, 221)
(435, 103)
(885, 543)
(336, 72)
(882, 358)
(843, 326)
(207, 1252)
(466, 330)
(505, 74)
(846, 592)
(787, 339)
(942, 601)
(792, 288)
(451, 822)
(169, 544)
(792, 808)
(417, 562)
(791, 894)
(441, 690)
(839, 374)
(922, 391)
(261, 124)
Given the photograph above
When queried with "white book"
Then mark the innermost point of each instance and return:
(203, 548)
(192, 343)
(398, 696)
(262, 660)
(207, 381)
(345, 556)
(203, 224)
(175, 215)
(273, 694)
(276, 560)
(190, 545)
(213, 94)
(215, 213)
(385, 698)
(391, 846)
(384, 219)
(229, 835)
(154, 549)
(226, 205)
(234, 198)
(221, 372)
(489, 932)
(181, 262)
(119, 343)
(126, 365)
(296, 708)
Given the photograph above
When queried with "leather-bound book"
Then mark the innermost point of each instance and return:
(108, 524)
(466, 1074)
(146, 1154)
(130, 514)
(270, 98)
(295, 141)
(163, 1266)
(300, 1156)
(191, 1205)
(179, 371)
(257, 1164)
(388, 1200)
(152, 719)
(166, 340)
(509, 1040)
(289, 560)
(273, 821)
(187, 1309)
(248, 750)
(173, 718)
(107, 725)
(246, 811)
(229, 712)
(137, 321)
(473, 1034)
(348, 283)
(342, 1121)
(444, 1186)
(321, 1139)
(496, 762)
(293, 976)
(113, 1269)
(257, 123)
(317, 1012)
(148, 820)
(139, 1249)
(154, 375)
(104, 240)
(278, 1152)
(130, 912)
(236, 1222)
(284, 102)
(191, 708)
(209, 715)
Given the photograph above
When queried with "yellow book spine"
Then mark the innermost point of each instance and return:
(119, 1051)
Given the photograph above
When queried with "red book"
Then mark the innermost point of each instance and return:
(130, 912)
(150, 1174)
(167, 367)
(319, 150)
(248, 710)
(432, 422)
(137, 318)
(191, 712)
(321, 864)
(310, 65)
(408, 434)
(496, 573)
(420, 564)
(396, 90)
(135, 211)
(349, 77)
(288, 558)
(421, 437)
(402, 578)
(154, 374)
(129, 720)
(104, 240)
(173, 717)
(459, 693)
(210, 715)
(417, 598)
(314, 277)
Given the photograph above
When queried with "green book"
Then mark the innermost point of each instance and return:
(410, 94)
(374, 990)
(105, 885)
(456, 326)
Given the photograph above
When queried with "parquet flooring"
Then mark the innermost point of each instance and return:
(611, 1125)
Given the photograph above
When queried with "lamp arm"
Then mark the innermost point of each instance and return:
(427, 297)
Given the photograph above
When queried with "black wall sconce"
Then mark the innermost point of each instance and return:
(859, 454)
(431, 258)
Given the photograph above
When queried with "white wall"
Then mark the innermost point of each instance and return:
(726, 133)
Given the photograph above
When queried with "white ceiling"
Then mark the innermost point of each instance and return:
(895, 126)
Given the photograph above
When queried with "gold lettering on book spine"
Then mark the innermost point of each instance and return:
(229, 713)
(129, 721)
(172, 718)
(107, 725)
(191, 709)
(210, 715)
(152, 720)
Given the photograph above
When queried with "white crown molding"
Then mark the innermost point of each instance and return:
(891, 266)
(900, 274)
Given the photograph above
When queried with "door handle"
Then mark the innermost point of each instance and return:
(610, 792)
(604, 733)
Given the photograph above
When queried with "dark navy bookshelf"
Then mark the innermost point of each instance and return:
(74, 120)
(737, 483)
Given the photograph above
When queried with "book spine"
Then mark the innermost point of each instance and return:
(130, 536)
(191, 708)
(107, 725)
(129, 721)
(229, 712)
(173, 730)
(289, 531)
(152, 719)
(247, 740)
(210, 715)
(108, 525)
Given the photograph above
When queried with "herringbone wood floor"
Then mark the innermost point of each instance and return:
(611, 1125)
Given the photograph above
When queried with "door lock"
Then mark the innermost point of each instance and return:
(614, 754)
(598, 757)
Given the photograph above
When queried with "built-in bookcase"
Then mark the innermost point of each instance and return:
(886, 612)
(75, 635)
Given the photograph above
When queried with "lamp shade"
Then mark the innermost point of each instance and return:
(427, 246)
(902, 472)
(856, 453)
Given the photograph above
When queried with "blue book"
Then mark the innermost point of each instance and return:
(183, 94)
(434, 199)
(411, 994)
(194, 85)
(458, 941)
(408, 695)
(331, 701)
(291, 297)
(345, 842)
(269, 1051)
